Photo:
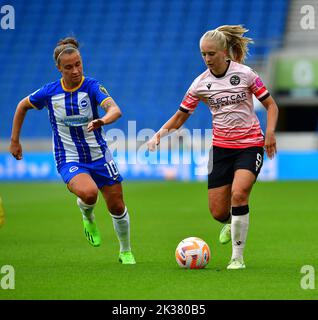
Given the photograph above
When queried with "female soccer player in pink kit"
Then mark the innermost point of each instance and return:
(236, 156)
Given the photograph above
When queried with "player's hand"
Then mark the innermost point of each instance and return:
(153, 142)
(270, 144)
(16, 150)
(95, 124)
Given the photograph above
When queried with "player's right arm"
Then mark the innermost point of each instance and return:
(15, 145)
(174, 123)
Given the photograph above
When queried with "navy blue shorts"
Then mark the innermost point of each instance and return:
(102, 172)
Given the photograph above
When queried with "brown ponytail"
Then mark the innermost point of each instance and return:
(66, 45)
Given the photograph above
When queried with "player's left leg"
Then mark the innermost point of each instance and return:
(113, 196)
(247, 166)
(241, 189)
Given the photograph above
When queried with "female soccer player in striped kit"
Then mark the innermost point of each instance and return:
(80, 149)
(227, 87)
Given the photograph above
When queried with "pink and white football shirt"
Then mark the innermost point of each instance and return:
(230, 100)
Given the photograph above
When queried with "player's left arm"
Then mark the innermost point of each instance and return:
(272, 116)
(113, 112)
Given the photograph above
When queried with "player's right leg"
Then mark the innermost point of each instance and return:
(220, 178)
(84, 187)
(79, 181)
(220, 206)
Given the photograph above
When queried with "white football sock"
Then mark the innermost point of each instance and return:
(122, 227)
(86, 209)
(239, 228)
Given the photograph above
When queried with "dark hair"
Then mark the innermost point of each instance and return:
(66, 45)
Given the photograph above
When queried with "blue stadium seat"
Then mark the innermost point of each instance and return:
(145, 52)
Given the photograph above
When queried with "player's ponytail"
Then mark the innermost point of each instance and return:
(66, 45)
(230, 38)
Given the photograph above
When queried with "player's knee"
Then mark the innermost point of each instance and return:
(219, 215)
(239, 197)
(116, 208)
(89, 196)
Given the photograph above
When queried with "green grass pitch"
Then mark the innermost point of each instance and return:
(43, 240)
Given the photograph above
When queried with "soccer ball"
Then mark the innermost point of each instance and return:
(193, 253)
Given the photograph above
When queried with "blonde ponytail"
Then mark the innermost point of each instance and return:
(230, 38)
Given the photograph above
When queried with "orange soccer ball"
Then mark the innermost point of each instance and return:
(193, 253)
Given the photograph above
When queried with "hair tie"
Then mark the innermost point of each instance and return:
(69, 47)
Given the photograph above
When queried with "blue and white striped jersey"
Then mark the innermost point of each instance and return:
(70, 111)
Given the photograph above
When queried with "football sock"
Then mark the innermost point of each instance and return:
(122, 227)
(239, 228)
(86, 209)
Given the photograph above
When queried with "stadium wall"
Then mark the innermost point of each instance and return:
(142, 165)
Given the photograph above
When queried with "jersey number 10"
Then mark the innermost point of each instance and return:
(112, 168)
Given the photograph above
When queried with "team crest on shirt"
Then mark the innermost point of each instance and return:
(83, 103)
(235, 80)
(103, 90)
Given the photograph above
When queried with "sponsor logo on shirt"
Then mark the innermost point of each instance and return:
(75, 121)
(233, 98)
